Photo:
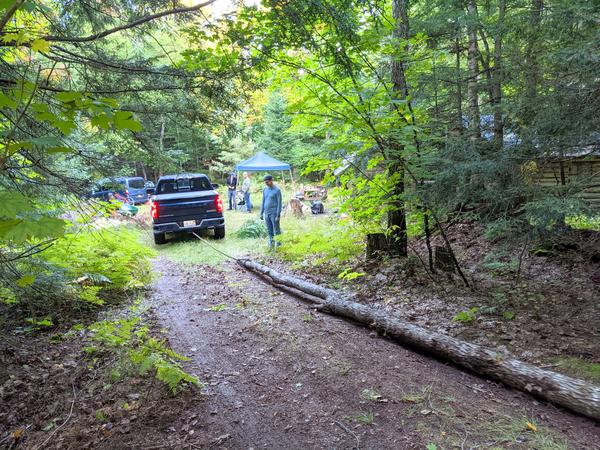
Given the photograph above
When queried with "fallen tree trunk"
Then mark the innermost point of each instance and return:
(577, 395)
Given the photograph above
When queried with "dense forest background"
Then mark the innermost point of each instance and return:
(432, 113)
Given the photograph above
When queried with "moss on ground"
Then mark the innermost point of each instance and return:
(579, 368)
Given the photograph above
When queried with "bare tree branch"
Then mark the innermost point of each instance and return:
(126, 26)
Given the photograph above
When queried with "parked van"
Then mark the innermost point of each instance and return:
(134, 188)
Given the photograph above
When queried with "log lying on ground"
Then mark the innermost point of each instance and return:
(576, 395)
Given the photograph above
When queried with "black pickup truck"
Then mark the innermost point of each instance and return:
(186, 203)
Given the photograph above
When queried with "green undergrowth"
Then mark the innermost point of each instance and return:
(584, 222)
(311, 240)
(253, 228)
(319, 239)
(79, 273)
(579, 368)
(137, 352)
(112, 255)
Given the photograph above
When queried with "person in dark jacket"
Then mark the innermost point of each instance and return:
(231, 189)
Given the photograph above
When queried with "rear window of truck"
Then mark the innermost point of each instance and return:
(183, 185)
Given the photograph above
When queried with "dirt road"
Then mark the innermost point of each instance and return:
(279, 375)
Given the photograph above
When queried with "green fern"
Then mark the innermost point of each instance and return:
(136, 350)
(466, 316)
(173, 375)
(80, 270)
(113, 258)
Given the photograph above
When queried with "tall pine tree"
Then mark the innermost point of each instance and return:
(274, 136)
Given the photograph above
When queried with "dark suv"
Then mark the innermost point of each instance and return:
(186, 203)
(133, 188)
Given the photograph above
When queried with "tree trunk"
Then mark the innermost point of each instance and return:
(498, 77)
(398, 240)
(459, 95)
(144, 173)
(161, 138)
(401, 32)
(377, 245)
(10, 12)
(577, 395)
(473, 81)
(396, 217)
(485, 58)
(532, 68)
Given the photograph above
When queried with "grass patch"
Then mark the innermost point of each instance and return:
(417, 397)
(428, 401)
(219, 307)
(363, 418)
(413, 398)
(524, 432)
(579, 368)
(188, 249)
(466, 316)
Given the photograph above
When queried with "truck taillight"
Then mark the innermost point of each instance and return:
(219, 204)
(154, 210)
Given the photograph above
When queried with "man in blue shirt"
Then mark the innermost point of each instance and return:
(271, 208)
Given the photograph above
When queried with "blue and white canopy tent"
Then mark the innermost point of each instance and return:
(261, 162)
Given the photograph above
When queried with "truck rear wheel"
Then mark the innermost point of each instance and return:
(219, 233)
(160, 238)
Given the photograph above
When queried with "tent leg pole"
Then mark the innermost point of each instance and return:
(292, 178)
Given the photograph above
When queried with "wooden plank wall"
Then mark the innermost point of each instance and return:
(585, 171)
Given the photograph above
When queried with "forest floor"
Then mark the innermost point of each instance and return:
(549, 316)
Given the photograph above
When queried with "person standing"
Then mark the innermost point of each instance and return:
(246, 186)
(231, 190)
(270, 210)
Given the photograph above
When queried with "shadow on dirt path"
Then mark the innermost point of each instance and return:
(279, 375)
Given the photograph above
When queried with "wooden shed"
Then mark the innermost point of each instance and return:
(582, 168)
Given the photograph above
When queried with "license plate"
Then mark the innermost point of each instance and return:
(189, 223)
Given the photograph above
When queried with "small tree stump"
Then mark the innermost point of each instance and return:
(377, 244)
(443, 259)
(296, 207)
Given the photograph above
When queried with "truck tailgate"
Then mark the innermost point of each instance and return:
(175, 207)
